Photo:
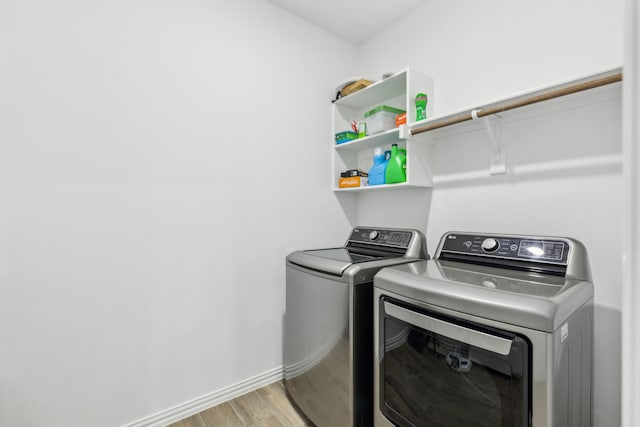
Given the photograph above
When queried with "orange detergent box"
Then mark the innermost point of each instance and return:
(352, 181)
(401, 119)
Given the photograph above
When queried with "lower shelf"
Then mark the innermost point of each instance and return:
(385, 187)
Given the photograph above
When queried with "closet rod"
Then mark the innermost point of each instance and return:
(558, 91)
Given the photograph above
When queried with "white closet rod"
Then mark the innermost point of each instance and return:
(551, 93)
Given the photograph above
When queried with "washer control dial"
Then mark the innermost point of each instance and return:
(373, 235)
(490, 245)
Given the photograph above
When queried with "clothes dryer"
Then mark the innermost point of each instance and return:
(497, 330)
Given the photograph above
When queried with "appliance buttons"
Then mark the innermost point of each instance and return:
(490, 245)
(373, 235)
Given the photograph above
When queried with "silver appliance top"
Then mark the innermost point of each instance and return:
(366, 250)
(530, 281)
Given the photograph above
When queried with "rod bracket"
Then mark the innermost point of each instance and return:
(497, 152)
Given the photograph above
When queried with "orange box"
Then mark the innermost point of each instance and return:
(352, 181)
(401, 119)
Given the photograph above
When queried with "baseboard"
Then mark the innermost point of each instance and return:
(207, 401)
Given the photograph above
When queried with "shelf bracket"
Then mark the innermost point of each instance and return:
(404, 132)
(493, 127)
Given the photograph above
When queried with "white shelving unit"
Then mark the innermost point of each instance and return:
(398, 90)
(417, 138)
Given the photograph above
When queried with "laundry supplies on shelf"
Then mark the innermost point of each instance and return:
(345, 136)
(396, 171)
(377, 171)
(381, 118)
(372, 114)
(421, 106)
(353, 178)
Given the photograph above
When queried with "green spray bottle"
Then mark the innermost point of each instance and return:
(397, 168)
(421, 106)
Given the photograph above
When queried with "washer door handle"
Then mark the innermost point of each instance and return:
(460, 333)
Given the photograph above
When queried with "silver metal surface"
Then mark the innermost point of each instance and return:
(328, 333)
(561, 369)
(324, 265)
(554, 313)
(527, 299)
(352, 274)
(470, 336)
(317, 345)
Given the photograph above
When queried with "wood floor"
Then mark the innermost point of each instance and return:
(265, 407)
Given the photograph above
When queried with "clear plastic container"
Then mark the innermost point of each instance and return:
(381, 118)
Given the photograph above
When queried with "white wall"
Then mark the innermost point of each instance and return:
(158, 159)
(631, 254)
(478, 52)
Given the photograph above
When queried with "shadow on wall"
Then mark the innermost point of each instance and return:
(607, 361)
(349, 205)
(552, 170)
(401, 208)
(583, 141)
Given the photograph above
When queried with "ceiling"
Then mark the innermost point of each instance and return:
(353, 20)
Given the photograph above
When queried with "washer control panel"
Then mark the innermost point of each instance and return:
(530, 249)
(398, 238)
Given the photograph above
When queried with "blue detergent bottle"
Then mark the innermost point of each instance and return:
(379, 168)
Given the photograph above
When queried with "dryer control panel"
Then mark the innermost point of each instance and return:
(508, 251)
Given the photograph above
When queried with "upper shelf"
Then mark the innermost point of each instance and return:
(376, 92)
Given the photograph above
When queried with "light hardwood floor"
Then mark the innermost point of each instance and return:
(265, 407)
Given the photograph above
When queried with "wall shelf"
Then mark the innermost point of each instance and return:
(384, 187)
(378, 140)
(381, 90)
(399, 91)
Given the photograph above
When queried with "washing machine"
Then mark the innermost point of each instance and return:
(328, 323)
(496, 330)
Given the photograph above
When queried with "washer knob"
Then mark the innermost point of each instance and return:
(490, 245)
(373, 235)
